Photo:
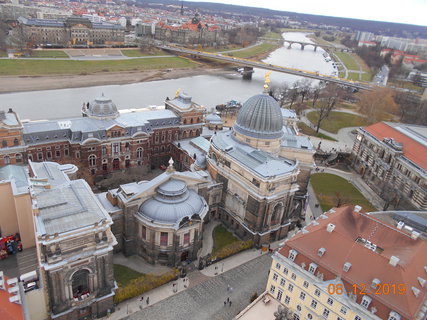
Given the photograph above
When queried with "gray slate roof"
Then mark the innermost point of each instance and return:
(260, 117)
(68, 207)
(78, 130)
(260, 162)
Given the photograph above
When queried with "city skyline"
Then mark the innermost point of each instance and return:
(413, 12)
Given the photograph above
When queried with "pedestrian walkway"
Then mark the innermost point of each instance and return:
(208, 242)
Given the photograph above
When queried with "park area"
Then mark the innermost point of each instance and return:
(337, 120)
(334, 191)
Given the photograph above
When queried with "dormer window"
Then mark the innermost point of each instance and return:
(292, 254)
(312, 268)
(346, 266)
(394, 316)
(365, 301)
(375, 283)
(321, 252)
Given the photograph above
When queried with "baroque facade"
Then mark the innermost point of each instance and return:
(103, 140)
(162, 220)
(259, 181)
(73, 31)
(391, 158)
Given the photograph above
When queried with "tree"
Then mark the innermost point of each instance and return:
(293, 93)
(327, 102)
(376, 103)
(315, 93)
(305, 88)
(281, 93)
(283, 313)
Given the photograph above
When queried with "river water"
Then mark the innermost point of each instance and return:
(207, 90)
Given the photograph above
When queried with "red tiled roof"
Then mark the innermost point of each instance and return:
(412, 149)
(366, 264)
(9, 310)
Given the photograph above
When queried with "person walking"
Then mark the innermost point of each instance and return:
(142, 299)
(148, 300)
(225, 302)
(229, 302)
(228, 299)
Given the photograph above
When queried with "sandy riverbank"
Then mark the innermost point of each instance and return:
(34, 83)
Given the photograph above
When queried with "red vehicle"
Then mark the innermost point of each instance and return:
(10, 245)
(163, 167)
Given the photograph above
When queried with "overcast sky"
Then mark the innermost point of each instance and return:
(407, 11)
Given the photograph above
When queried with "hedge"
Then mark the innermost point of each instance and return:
(232, 248)
(143, 284)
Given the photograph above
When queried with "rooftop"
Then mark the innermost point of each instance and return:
(413, 138)
(355, 237)
(260, 162)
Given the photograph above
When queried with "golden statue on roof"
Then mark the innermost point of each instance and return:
(177, 93)
(267, 80)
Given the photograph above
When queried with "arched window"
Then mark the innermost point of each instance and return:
(18, 157)
(276, 213)
(4, 143)
(80, 283)
(92, 160)
(15, 142)
(139, 153)
(6, 160)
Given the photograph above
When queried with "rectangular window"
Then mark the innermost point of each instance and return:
(275, 277)
(282, 282)
(293, 276)
(305, 284)
(302, 295)
(313, 304)
(57, 153)
(325, 313)
(143, 233)
(66, 152)
(317, 292)
(290, 288)
(343, 310)
(279, 294)
(116, 147)
(187, 238)
(163, 238)
(285, 271)
(287, 300)
(39, 156)
(104, 150)
(272, 289)
(278, 266)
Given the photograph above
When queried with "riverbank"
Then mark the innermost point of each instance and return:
(35, 83)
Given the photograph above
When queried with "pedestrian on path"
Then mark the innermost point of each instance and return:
(148, 300)
(229, 302)
(225, 302)
(228, 299)
(142, 298)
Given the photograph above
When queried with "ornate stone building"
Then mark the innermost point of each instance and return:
(74, 243)
(162, 220)
(12, 147)
(391, 158)
(73, 31)
(259, 183)
(104, 140)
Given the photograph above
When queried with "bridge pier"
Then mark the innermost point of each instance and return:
(302, 46)
(315, 48)
(247, 73)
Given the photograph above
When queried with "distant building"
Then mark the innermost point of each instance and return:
(391, 158)
(73, 31)
(12, 148)
(322, 271)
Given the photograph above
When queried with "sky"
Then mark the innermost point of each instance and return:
(407, 11)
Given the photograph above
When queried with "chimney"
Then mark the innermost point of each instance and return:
(330, 227)
(394, 261)
(422, 281)
(415, 235)
(400, 225)
(357, 208)
(346, 266)
(10, 110)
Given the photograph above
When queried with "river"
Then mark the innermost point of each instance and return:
(207, 90)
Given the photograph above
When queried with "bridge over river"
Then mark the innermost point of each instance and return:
(248, 66)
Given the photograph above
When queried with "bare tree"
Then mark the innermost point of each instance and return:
(327, 102)
(283, 313)
(375, 103)
(293, 93)
(281, 93)
(305, 88)
(315, 94)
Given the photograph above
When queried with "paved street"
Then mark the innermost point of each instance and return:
(206, 300)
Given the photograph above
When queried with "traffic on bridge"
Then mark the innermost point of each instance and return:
(262, 65)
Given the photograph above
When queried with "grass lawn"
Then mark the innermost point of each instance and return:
(348, 60)
(43, 67)
(311, 132)
(138, 53)
(353, 76)
(337, 120)
(331, 189)
(273, 35)
(222, 237)
(49, 54)
(3, 53)
(253, 51)
(367, 76)
(124, 275)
